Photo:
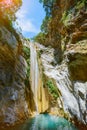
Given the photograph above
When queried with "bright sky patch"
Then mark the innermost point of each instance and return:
(30, 17)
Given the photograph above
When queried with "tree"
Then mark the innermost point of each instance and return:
(40, 38)
(45, 24)
(48, 6)
(8, 8)
(51, 21)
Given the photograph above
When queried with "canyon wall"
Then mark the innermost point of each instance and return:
(13, 104)
(69, 75)
(70, 80)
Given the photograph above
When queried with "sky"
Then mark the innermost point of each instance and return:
(30, 17)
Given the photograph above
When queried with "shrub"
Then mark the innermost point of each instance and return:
(52, 89)
(40, 38)
(80, 4)
(66, 17)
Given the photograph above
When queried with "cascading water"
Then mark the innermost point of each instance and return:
(40, 94)
(41, 121)
(34, 71)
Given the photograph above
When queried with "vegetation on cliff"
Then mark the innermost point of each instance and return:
(26, 51)
(55, 29)
(52, 89)
(9, 8)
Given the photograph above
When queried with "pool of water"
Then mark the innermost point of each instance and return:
(46, 122)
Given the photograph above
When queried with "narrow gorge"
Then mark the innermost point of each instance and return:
(43, 80)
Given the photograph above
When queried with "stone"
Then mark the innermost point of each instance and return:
(13, 104)
(72, 86)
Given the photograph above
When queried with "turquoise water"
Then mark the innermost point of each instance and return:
(46, 122)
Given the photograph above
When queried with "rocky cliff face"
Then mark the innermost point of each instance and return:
(13, 105)
(70, 75)
(57, 88)
(74, 23)
(70, 78)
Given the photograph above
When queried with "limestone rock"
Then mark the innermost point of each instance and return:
(70, 82)
(77, 27)
(13, 105)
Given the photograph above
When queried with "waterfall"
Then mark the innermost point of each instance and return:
(34, 71)
(40, 93)
(35, 124)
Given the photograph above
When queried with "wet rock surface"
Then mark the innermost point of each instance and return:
(73, 89)
(13, 105)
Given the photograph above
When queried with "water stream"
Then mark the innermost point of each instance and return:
(34, 71)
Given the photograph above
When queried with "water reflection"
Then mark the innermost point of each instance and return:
(47, 122)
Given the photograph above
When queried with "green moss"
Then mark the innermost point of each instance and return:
(26, 51)
(66, 16)
(39, 53)
(80, 4)
(52, 89)
(40, 38)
